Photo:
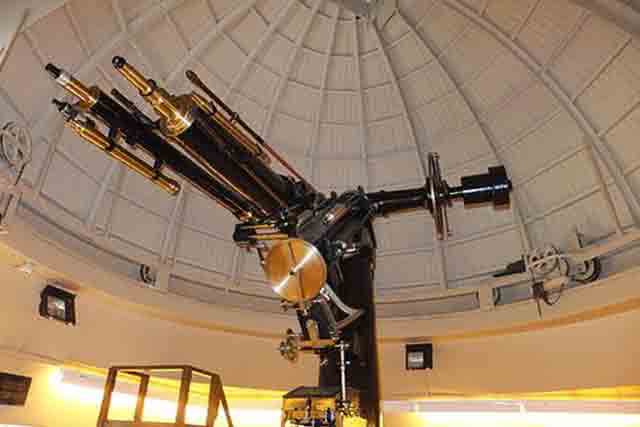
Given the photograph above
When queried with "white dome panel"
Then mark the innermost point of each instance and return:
(407, 55)
(340, 107)
(204, 215)
(250, 111)
(623, 141)
(342, 73)
(415, 231)
(405, 269)
(224, 58)
(156, 199)
(339, 141)
(425, 85)
(380, 103)
(548, 27)
(394, 169)
(276, 53)
(393, 31)
(193, 18)
(472, 54)
(64, 48)
(338, 175)
(205, 251)
(373, 70)
(23, 63)
(590, 49)
(615, 91)
(460, 147)
(513, 82)
(248, 31)
(526, 157)
(222, 8)
(267, 8)
(132, 9)
(261, 84)
(444, 114)
(344, 37)
(250, 268)
(75, 195)
(560, 180)
(485, 222)
(137, 225)
(505, 76)
(290, 134)
(294, 24)
(292, 101)
(527, 111)
(366, 40)
(35, 168)
(442, 26)
(505, 249)
(308, 68)
(508, 15)
(95, 20)
(319, 32)
(585, 213)
(89, 159)
(386, 136)
(163, 46)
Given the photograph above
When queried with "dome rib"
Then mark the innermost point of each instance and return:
(284, 78)
(124, 28)
(266, 36)
(592, 138)
(361, 121)
(217, 29)
(525, 21)
(517, 214)
(315, 135)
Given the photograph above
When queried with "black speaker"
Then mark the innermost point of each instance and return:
(419, 357)
(14, 389)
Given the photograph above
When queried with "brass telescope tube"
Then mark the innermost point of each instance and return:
(177, 116)
(88, 96)
(139, 131)
(190, 126)
(94, 137)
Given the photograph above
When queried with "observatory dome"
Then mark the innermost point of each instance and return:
(548, 88)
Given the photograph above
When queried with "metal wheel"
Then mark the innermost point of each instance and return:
(589, 272)
(15, 145)
(438, 196)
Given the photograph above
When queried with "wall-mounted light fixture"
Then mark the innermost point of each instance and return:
(419, 357)
(58, 304)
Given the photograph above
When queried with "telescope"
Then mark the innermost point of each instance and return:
(317, 250)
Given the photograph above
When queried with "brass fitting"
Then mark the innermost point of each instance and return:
(175, 111)
(88, 96)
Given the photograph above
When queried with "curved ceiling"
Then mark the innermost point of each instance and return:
(545, 87)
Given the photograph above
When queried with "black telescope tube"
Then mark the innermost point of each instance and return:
(137, 133)
(390, 202)
(493, 187)
(207, 139)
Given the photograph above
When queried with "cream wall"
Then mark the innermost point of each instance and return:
(123, 323)
(109, 334)
(44, 407)
(597, 353)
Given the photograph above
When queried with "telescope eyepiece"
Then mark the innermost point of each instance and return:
(118, 62)
(493, 187)
(53, 71)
